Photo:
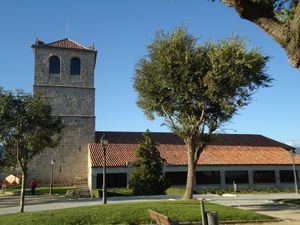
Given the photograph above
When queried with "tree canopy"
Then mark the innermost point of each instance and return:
(197, 88)
(147, 177)
(278, 18)
(27, 128)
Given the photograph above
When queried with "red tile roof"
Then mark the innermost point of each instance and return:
(224, 149)
(64, 43)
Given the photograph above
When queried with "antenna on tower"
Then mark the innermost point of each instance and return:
(67, 27)
(92, 45)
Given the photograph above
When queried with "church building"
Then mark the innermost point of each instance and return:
(64, 74)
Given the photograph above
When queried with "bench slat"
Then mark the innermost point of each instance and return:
(159, 218)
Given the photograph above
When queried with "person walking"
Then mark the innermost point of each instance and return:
(33, 185)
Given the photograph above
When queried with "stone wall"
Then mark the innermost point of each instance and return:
(71, 156)
(74, 101)
(41, 67)
(69, 101)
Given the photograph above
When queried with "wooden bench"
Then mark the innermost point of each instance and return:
(160, 219)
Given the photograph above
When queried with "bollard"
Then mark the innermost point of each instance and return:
(203, 214)
(235, 186)
(212, 218)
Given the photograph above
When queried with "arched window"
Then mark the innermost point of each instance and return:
(54, 65)
(75, 66)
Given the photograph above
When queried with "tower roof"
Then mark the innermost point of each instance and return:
(63, 43)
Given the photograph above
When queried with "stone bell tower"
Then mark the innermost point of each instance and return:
(64, 74)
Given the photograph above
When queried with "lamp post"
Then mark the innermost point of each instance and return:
(292, 152)
(51, 180)
(104, 143)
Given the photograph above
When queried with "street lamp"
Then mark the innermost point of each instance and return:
(104, 143)
(51, 180)
(292, 153)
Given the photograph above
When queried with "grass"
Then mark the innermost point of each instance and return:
(248, 191)
(175, 191)
(180, 191)
(128, 213)
(42, 190)
(111, 192)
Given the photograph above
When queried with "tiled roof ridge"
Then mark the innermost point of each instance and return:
(167, 132)
(67, 39)
(221, 138)
(278, 142)
(134, 132)
(63, 43)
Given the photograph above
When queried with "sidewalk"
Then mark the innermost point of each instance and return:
(10, 204)
(288, 213)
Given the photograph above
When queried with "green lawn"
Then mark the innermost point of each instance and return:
(111, 192)
(180, 191)
(128, 192)
(128, 213)
(41, 190)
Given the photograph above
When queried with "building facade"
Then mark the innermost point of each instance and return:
(64, 74)
(250, 161)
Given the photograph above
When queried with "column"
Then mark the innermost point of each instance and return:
(94, 181)
(277, 178)
(250, 177)
(222, 177)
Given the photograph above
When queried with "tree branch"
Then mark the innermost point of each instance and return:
(201, 118)
(9, 153)
(263, 17)
(295, 23)
(170, 119)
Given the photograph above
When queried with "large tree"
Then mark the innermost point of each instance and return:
(197, 88)
(27, 128)
(278, 18)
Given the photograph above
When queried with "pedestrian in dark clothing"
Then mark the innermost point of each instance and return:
(33, 185)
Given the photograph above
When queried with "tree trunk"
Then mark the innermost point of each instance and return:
(22, 200)
(189, 188)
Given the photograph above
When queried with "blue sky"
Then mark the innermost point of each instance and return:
(121, 30)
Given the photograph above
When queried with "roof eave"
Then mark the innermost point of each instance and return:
(76, 49)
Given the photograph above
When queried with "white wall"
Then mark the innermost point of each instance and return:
(221, 168)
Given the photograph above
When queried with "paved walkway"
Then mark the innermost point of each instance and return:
(10, 204)
(249, 199)
(265, 204)
(288, 213)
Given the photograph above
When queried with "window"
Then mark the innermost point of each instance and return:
(176, 178)
(287, 176)
(208, 177)
(54, 65)
(75, 66)
(112, 180)
(239, 177)
(264, 176)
